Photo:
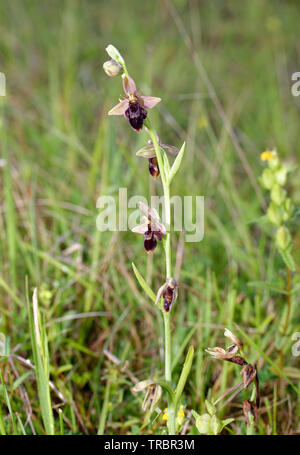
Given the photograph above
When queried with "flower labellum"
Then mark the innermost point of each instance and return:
(168, 292)
(134, 106)
(153, 167)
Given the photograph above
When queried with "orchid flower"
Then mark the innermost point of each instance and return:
(151, 227)
(134, 106)
(148, 152)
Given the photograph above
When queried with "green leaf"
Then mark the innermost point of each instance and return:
(166, 164)
(184, 375)
(270, 286)
(203, 423)
(8, 404)
(21, 379)
(143, 283)
(225, 422)
(183, 345)
(176, 164)
(4, 345)
(210, 408)
(287, 259)
(216, 425)
(41, 360)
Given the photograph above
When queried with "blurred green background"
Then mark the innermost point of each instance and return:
(205, 59)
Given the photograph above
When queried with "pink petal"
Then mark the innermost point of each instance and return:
(128, 84)
(150, 101)
(120, 108)
(141, 228)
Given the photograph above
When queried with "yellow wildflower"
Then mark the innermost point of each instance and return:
(181, 412)
(165, 415)
(268, 155)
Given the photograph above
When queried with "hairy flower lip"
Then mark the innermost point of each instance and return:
(168, 291)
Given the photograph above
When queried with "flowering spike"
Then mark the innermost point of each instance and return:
(134, 106)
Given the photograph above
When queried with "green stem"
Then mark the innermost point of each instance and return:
(167, 207)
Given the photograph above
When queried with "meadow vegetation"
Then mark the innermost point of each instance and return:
(71, 307)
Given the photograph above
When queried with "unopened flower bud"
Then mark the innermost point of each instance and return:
(283, 237)
(278, 194)
(112, 68)
(180, 416)
(267, 179)
(274, 214)
(280, 175)
(274, 162)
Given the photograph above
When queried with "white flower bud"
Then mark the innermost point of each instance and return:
(112, 68)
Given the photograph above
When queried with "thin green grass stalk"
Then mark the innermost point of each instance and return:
(10, 212)
(61, 421)
(23, 432)
(104, 410)
(274, 429)
(8, 404)
(41, 360)
(2, 423)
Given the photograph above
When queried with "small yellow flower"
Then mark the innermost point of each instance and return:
(268, 155)
(181, 412)
(165, 415)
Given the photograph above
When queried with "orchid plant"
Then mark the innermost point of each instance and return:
(134, 107)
